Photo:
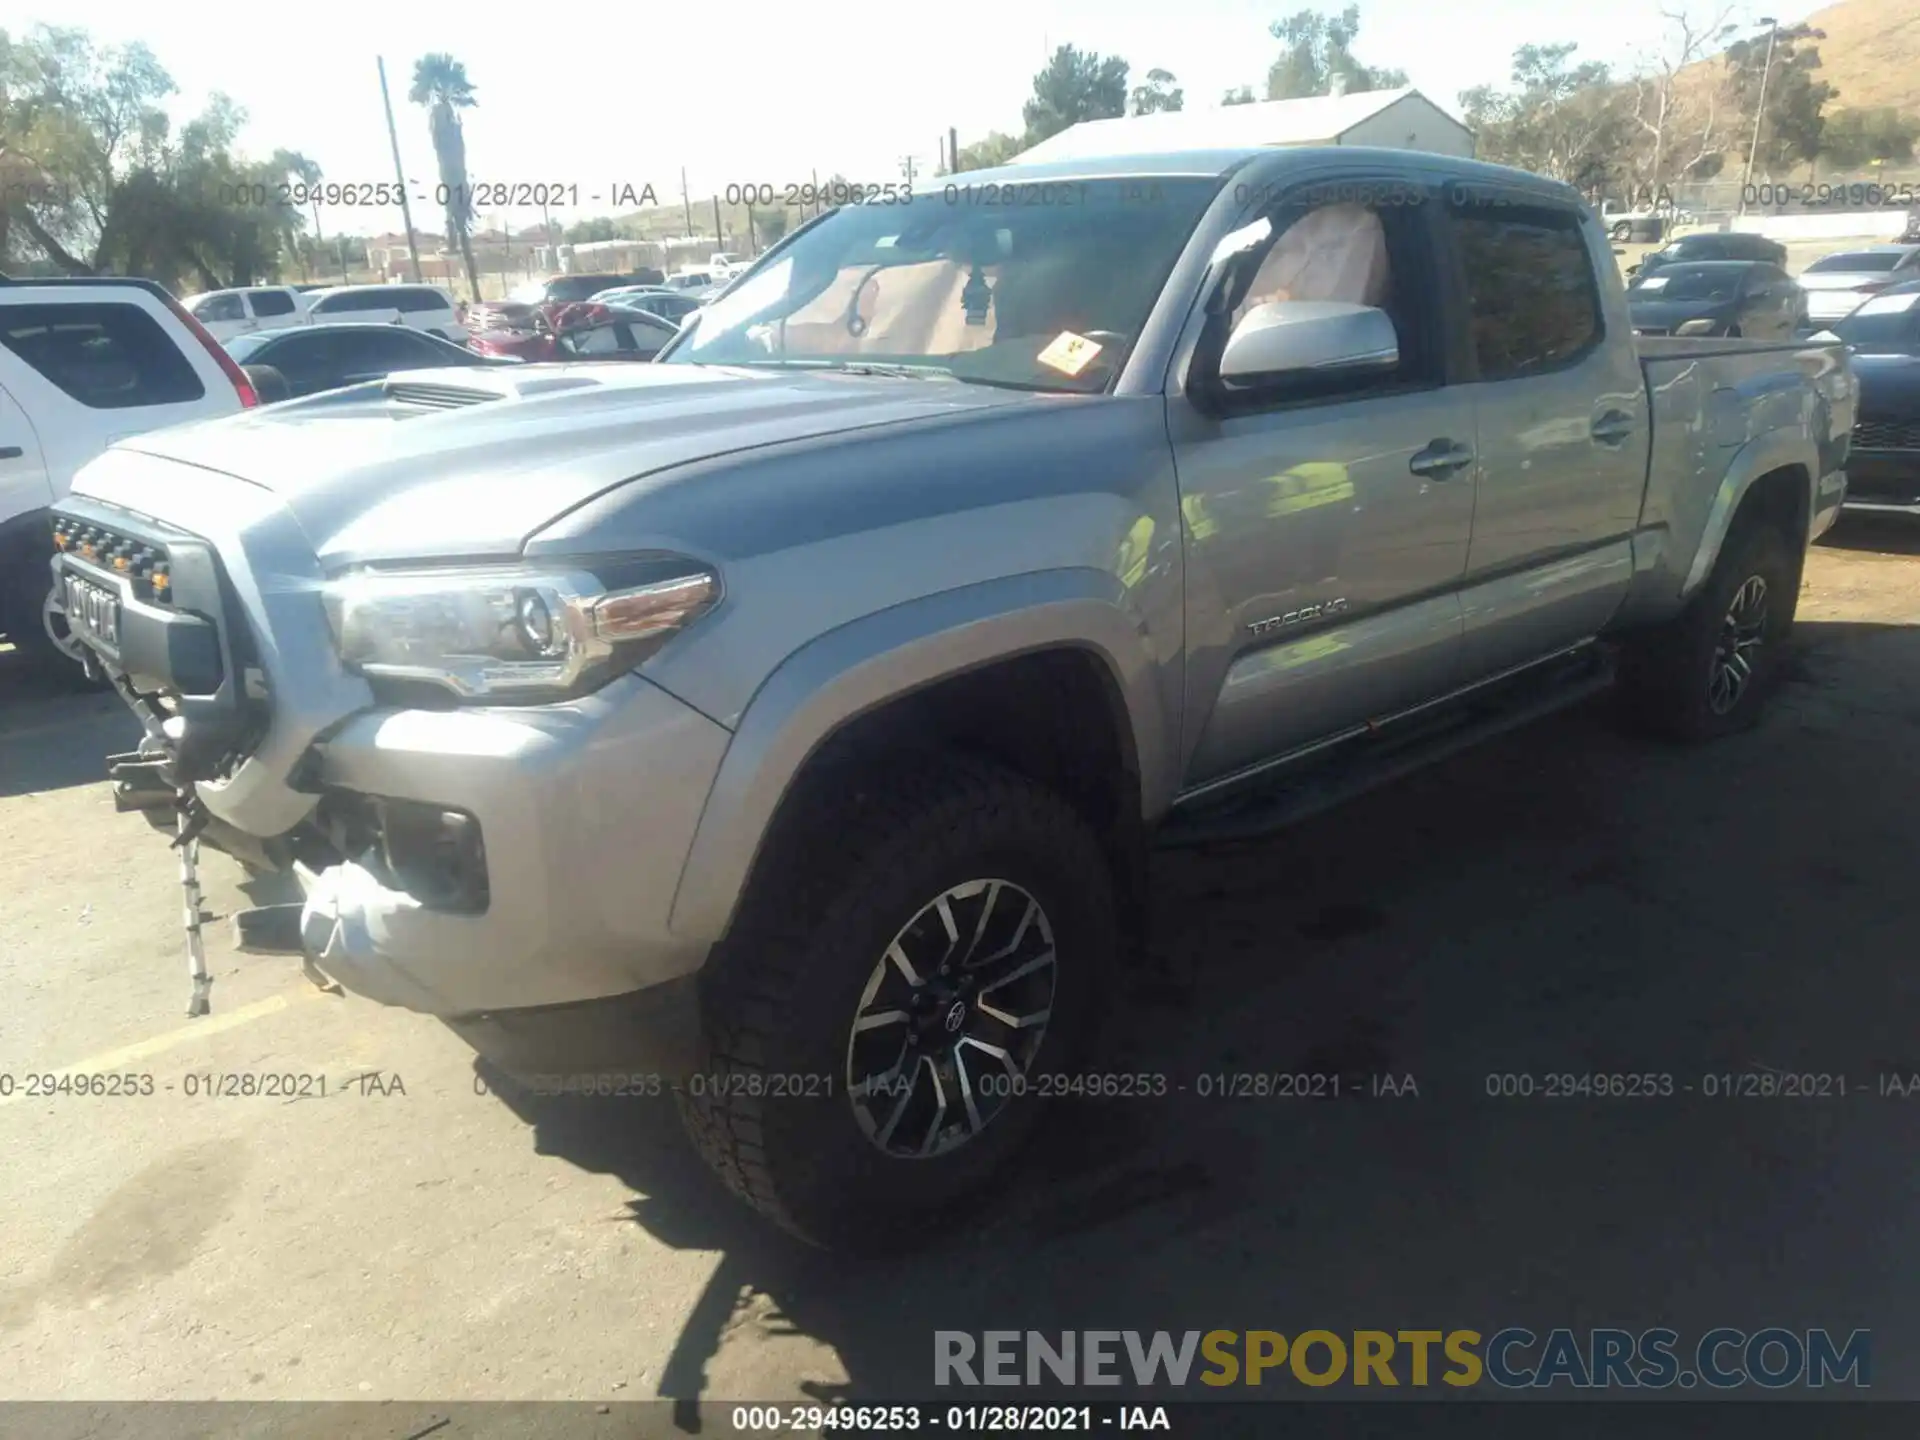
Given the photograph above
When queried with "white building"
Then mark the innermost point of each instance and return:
(1395, 119)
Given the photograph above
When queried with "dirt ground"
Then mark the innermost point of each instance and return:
(1566, 900)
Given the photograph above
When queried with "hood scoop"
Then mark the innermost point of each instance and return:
(437, 397)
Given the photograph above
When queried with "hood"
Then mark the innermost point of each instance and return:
(1889, 386)
(468, 463)
(1654, 314)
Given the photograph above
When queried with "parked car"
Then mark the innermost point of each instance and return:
(1717, 297)
(582, 330)
(724, 266)
(418, 307)
(1911, 235)
(1713, 245)
(801, 706)
(690, 280)
(1883, 471)
(305, 360)
(84, 363)
(674, 305)
(227, 313)
(545, 297)
(1837, 283)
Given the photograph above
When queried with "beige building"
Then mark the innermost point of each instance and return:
(1395, 119)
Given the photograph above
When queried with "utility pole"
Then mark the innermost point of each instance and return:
(406, 210)
(953, 149)
(906, 167)
(686, 205)
(1760, 110)
(718, 239)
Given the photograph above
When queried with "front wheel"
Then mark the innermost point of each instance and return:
(1708, 671)
(1623, 231)
(917, 961)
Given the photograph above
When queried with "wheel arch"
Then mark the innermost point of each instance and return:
(1059, 648)
(1772, 479)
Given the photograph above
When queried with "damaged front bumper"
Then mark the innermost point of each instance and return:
(476, 861)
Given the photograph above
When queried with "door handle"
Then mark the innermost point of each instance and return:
(11, 452)
(1613, 428)
(1441, 460)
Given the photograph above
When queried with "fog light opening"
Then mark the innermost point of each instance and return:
(434, 854)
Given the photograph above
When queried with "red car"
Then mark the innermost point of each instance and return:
(546, 298)
(579, 332)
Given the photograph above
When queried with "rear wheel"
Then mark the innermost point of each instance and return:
(919, 953)
(1708, 672)
(1622, 231)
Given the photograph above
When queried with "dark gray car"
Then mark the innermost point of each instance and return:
(1730, 298)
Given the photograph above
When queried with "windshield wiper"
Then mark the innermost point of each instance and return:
(892, 370)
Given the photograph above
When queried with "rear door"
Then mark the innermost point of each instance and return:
(272, 308)
(23, 465)
(93, 364)
(1561, 425)
(224, 313)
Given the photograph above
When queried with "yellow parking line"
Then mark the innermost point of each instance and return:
(159, 1044)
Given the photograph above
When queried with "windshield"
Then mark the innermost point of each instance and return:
(1688, 283)
(1043, 297)
(1885, 323)
(1858, 260)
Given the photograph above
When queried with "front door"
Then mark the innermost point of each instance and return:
(1326, 521)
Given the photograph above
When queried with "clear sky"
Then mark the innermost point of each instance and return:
(598, 95)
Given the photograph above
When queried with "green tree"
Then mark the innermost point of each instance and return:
(585, 232)
(1796, 97)
(1315, 49)
(1855, 138)
(440, 83)
(1158, 95)
(1562, 119)
(769, 223)
(1242, 96)
(1077, 85)
(995, 149)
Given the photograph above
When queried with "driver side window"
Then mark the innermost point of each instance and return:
(1359, 248)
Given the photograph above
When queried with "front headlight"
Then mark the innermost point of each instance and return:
(1698, 327)
(513, 634)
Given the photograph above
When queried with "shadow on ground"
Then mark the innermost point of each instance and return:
(1566, 903)
(54, 734)
(1884, 534)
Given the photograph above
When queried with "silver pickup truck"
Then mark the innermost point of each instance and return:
(791, 718)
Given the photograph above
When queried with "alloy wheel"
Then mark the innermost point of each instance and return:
(1736, 653)
(951, 1019)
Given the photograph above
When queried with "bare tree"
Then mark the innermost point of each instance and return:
(1690, 39)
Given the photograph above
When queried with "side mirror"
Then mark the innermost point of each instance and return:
(1293, 336)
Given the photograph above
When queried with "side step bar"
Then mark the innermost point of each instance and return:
(1371, 761)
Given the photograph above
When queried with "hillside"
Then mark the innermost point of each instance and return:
(1872, 53)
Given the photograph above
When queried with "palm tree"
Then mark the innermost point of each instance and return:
(440, 82)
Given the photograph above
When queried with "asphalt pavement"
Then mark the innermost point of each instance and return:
(1567, 901)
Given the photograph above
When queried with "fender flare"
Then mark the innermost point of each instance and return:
(1776, 450)
(862, 666)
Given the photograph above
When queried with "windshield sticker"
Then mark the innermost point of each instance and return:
(1652, 282)
(1889, 304)
(1069, 353)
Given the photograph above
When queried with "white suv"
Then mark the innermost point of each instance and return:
(227, 314)
(84, 363)
(419, 307)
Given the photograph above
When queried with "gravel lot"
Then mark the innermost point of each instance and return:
(1568, 900)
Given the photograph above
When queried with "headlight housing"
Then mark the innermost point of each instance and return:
(1698, 327)
(514, 634)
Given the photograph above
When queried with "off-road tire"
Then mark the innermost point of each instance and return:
(864, 854)
(1665, 673)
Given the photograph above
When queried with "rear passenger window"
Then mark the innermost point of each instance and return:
(1534, 302)
(271, 302)
(413, 301)
(110, 356)
(354, 300)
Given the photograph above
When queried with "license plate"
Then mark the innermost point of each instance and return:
(93, 613)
